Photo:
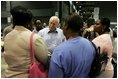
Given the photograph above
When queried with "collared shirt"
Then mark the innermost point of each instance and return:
(52, 39)
(72, 59)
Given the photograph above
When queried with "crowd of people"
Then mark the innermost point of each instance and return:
(65, 52)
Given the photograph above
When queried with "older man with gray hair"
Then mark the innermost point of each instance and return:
(52, 35)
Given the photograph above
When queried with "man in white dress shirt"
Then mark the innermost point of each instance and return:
(52, 35)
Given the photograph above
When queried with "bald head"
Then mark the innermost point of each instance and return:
(53, 23)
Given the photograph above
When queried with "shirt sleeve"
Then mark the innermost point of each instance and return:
(55, 68)
(55, 71)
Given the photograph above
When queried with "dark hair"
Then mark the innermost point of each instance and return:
(21, 16)
(106, 22)
(90, 22)
(74, 22)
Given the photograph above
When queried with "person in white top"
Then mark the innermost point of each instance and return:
(105, 43)
(52, 35)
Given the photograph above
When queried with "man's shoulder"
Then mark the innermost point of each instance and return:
(43, 30)
(58, 29)
(83, 39)
(60, 50)
(63, 46)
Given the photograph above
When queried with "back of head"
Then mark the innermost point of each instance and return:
(105, 22)
(21, 16)
(74, 22)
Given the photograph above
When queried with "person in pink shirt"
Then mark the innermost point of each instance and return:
(104, 41)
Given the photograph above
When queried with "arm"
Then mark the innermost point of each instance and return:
(55, 69)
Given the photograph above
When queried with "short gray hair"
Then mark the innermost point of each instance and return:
(55, 18)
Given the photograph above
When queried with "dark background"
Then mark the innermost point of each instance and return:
(43, 10)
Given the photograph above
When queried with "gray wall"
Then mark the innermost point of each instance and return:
(108, 9)
(40, 9)
(45, 9)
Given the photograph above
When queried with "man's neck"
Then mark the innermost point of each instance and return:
(73, 35)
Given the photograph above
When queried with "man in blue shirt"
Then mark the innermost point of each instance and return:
(73, 58)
